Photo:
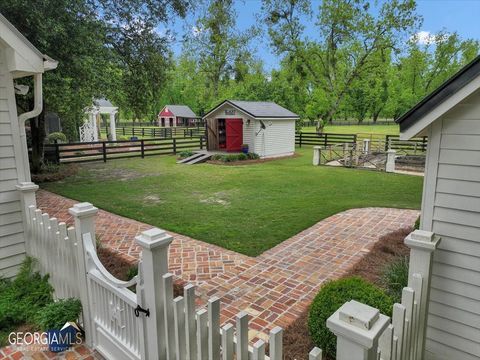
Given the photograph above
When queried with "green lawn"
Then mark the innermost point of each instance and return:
(248, 208)
(359, 129)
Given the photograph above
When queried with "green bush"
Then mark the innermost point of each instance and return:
(242, 157)
(56, 314)
(59, 136)
(395, 277)
(253, 156)
(23, 297)
(132, 272)
(417, 224)
(331, 297)
(185, 154)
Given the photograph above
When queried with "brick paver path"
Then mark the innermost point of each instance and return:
(274, 287)
(79, 352)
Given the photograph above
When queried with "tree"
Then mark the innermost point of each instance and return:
(217, 44)
(349, 37)
(104, 48)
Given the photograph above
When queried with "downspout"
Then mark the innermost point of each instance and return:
(37, 109)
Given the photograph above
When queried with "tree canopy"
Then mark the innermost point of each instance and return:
(364, 61)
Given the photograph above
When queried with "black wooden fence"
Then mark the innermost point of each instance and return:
(413, 145)
(157, 132)
(326, 139)
(120, 149)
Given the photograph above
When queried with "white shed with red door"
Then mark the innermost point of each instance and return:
(267, 128)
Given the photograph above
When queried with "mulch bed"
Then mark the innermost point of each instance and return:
(249, 162)
(63, 172)
(296, 339)
(119, 267)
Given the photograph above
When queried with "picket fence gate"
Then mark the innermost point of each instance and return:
(149, 323)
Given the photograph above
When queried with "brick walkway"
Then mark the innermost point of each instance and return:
(78, 352)
(274, 287)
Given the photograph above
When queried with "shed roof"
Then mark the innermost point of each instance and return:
(444, 92)
(103, 103)
(259, 109)
(181, 111)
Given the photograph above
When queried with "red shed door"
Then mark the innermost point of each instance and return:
(234, 130)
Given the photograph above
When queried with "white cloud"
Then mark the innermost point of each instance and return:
(427, 38)
(196, 31)
(424, 38)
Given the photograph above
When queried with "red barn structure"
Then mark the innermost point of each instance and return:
(177, 115)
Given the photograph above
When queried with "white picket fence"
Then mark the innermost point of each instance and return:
(365, 334)
(151, 324)
(148, 323)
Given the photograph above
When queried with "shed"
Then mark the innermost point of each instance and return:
(450, 117)
(18, 58)
(176, 115)
(267, 128)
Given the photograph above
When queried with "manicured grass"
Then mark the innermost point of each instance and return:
(246, 208)
(359, 129)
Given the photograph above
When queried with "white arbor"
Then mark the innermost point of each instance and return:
(89, 130)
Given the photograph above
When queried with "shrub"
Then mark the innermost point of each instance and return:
(132, 272)
(242, 157)
(185, 154)
(395, 277)
(59, 136)
(56, 314)
(23, 297)
(333, 295)
(253, 156)
(417, 224)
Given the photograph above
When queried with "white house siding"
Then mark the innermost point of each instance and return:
(451, 209)
(12, 248)
(277, 139)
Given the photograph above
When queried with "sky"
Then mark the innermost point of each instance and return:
(452, 15)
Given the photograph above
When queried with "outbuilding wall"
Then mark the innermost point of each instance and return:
(451, 209)
(248, 129)
(12, 246)
(277, 139)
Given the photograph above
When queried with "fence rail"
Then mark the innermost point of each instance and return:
(325, 139)
(157, 132)
(413, 145)
(119, 149)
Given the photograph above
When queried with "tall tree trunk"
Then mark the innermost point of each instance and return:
(37, 128)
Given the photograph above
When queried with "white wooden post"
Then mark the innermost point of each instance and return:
(154, 243)
(317, 152)
(390, 164)
(366, 146)
(27, 198)
(358, 328)
(84, 218)
(422, 244)
(113, 129)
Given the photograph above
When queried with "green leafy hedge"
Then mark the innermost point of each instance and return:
(331, 297)
(59, 136)
(56, 314)
(235, 157)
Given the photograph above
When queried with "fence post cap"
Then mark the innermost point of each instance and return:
(27, 186)
(391, 151)
(422, 240)
(153, 238)
(82, 209)
(358, 323)
(316, 147)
